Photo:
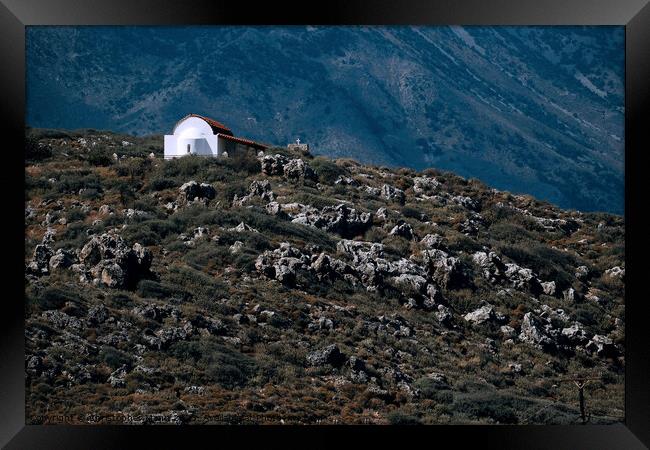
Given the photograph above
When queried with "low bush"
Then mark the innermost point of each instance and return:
(402, 418)
(224, 366)
(327, 170)
(99, 157)
(55, 298)
(35, 150)
(498, 407)
(113, 357)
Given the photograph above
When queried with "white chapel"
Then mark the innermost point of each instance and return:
(199, 135)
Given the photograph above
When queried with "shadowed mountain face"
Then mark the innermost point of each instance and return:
(527, 109)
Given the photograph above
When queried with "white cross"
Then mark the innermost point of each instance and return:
(298, 141)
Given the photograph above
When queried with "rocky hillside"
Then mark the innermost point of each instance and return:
(288, 288)
(536, 110)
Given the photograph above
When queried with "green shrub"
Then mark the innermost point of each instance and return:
(75, 180)
(402, 418)
(75, 215)
(160, 184)
(154, 289)
(113, 357)
(207, 255)
(224, 366)
(433, 390)
(151, 232)
(510, 233)
(35, 151)
(133, 167)
(548, 263)
(228, 192)
(327, 170)
(494, 405)
(55, 298)
(409, 211)
(194, 284)
(100, 157)
(243, 161)
(74, 236)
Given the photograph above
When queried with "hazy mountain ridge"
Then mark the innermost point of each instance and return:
(535, 110)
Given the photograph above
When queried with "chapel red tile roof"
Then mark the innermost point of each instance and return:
(243, 141)
(217, 127)
(225, 132)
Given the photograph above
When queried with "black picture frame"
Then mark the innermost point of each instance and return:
(16, 14)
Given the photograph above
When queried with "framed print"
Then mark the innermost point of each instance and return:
(356, 220)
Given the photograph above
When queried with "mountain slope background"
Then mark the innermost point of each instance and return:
(537, 110)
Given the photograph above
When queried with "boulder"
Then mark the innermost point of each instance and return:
(616, 272)
(273, 164)
(382, 214)
(507, 331)
(483, 314)
(433, 241)
(466, 202)
(236, 247)
(403, 229)
(425, 185)
(392, 193)
(40, 264)
(409, 283)
(97, 315)
(360, 251)
(243, 227)
(601, 346)
(491, 266)
(447, 271)
(346, 181)
(522, 279)
(551, 315)
(330, 355)
(153, 312)
(275, 209)
(569, 295)
(48, 236)
(340, 219)
(111, 274)
(582, 273)
(117, 377)
(575, 334)
(166, 336)
(193, 191)
(62, 320)
(534, 332)
(62, 259)
(296, 169)
(444, 315)
(110, 260)
(261, 189)
(548, 287)
(283, 263)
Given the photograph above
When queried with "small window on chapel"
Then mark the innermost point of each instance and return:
(188, 148)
